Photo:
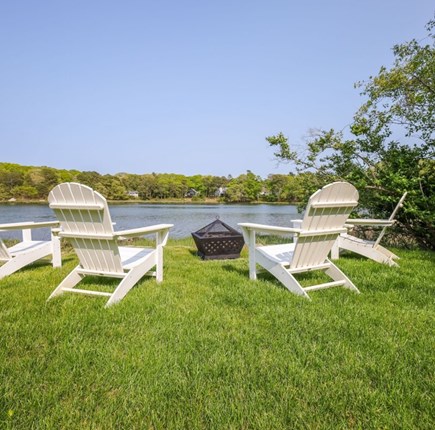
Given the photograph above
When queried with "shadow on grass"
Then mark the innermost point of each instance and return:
(305, 279)
(234, 269)
(40, 264)
(194, 252)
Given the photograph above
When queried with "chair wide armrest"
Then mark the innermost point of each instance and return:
(29, 225)
(142, 231)
(370, 222)
(270, 229)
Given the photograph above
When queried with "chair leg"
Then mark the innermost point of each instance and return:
(288, 280)
(252, 267)
(280, 273)
(337, 275)
(57, 256)
(378, 254)
(252, 255)
(390, 255)
(159, 264)
(11, 266)
(69, 282)
(335, 250)
(124, 287)
(131, 279)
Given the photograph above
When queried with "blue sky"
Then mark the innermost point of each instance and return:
(187, 86)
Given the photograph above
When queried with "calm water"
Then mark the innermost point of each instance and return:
(186, 218)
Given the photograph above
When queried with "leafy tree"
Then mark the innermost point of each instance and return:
(286, 188)
(147, 186)
(130, 181)
(235, 192)
(244, 188)
(102, 189)
(197, 183)
(4, 193)
(213, 183)
(391, 146)
(25, 192)
(115, 190)
(169, 185)
(67, 175)
(11, 179)
(43, 179)
(276, 186)
(91, 179)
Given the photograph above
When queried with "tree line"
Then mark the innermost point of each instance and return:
(19, 182)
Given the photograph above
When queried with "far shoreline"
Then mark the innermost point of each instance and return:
(160, 202)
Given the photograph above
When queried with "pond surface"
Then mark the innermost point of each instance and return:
(186, 218)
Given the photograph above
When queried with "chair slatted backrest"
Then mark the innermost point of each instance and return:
(327, 211)
(85, 221)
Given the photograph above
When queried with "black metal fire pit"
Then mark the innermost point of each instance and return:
(218, 241)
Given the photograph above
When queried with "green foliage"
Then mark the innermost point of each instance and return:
(403, 95)
(391, 146)
(289, 188)
(281, 142)
(25, 192)
(26, 182)
(4, 193)
(42, 179)
(244, 188)
(11, 178)
(91, 179)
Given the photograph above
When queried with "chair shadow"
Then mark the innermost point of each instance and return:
(265, 275)
(43, 262)
(234, 269)
(350, 255)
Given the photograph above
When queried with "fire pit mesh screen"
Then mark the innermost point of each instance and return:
(218, 241)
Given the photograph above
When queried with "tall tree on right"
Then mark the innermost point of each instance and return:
(391, 145)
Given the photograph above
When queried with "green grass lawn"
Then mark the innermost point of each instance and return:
(210, 349)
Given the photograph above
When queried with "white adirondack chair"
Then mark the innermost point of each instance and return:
(85, 221)
(325, 215)
(28, 250)
(366, 248)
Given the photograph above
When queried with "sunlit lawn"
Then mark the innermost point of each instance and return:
(210, 349)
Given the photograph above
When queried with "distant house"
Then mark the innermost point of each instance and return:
(133, 194)
(264, 192)
(220, 191)
(191, 193)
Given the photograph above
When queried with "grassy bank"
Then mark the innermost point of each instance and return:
(209, 349)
